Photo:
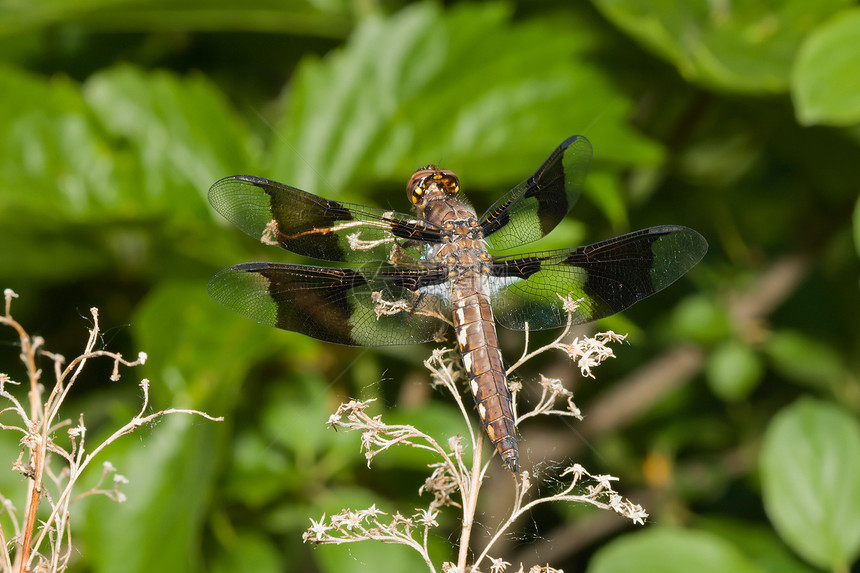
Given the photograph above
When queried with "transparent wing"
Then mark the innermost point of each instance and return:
(305, 224)
(534, 207)
(609, 276)
(368, 306)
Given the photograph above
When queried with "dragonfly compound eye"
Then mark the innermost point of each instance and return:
(428, 178)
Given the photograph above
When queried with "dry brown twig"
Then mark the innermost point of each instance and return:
(46, 545)
(455, 481)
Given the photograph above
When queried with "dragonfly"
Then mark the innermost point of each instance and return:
(416, 276)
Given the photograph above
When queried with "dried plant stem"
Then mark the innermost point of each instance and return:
(470, 503)
(454, 482)
(529, 355)
(29, 348)
(38, 429)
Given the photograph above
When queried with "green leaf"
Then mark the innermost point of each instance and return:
(670, 550)
(127, 142)
(254, 460)
(825, 81)
(171, 471)
(461, 88)
(295, 415)
(161, 141)
(856, 224)
(289, 443)
(52, 149)
(247, 553)
(700, 318)
(734, 46)
(363, 557)
(803, 359)
(758, 542)
(327, 18)
(810, 465)
(733, 370)
(47, 255)
(182, 130)
(203, 363)
(51, 154)
(722, 159)
(606, 190)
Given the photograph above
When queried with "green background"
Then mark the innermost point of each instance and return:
(732, 415)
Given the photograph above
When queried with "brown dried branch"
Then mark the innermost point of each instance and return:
(38, 427)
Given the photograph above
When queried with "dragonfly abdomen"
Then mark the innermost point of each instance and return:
(479, 346)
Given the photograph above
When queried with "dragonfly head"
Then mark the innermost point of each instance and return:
(428, 180)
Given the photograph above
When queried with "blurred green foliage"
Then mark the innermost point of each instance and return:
(738, 119)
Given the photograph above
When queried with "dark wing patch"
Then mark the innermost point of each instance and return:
(609, 276)
(312, 226)
(534, 207)
(337, 304)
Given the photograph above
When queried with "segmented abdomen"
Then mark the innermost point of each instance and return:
(479, 345)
